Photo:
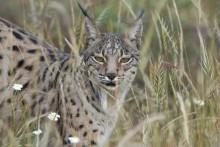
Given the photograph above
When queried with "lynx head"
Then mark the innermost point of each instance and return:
(111, 58)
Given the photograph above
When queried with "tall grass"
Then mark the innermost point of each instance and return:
(174, 101)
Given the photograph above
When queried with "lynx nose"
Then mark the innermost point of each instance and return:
(111, 76)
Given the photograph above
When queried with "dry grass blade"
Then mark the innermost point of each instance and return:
(139, 128)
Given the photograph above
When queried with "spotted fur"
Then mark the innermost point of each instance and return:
(84, 93)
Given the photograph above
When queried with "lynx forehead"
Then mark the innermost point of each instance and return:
(112, 42)
(80, 94)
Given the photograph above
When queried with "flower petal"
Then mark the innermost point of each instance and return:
(37, 132)
(53, 116)
(17, 87)
(74, 140)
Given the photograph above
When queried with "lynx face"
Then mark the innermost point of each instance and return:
(112, 58)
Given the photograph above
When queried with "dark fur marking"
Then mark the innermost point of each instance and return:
(77, 115)
(1, 104)
(50, 85)
(44, 111)
(44, 73)
(9, 73)
(90, 122)
(19, 77)
(0, 39)
(87, 98)
(23, 102)
(33, 40)
(41, 100)
(66, 68)
(96, 108)
(42, 59)
(20, 63)
(93, 89)
(15, 48)
(68, 89)
(53, 101)
(86, 112)
(59, 103)
(29, 67)
(93, 142)
(81, 126)
(66, 100)
(84, 134)
(9, 101)
(44, 89)
(53, 69)
(25, 85)
(133, 72)
(1, 56)
(32, 51)
(5, 22)
(71, 115)
(33, 96)
(22, 31)
(14, 70)
(17, 35)
(33, 105)
(93, 98)
(66, 142)
(95, 130)
(73, 102)
(56, 77)
(63, 62)
(52, 56)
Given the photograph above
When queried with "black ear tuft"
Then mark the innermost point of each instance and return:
(83, 10)
(90, 28)
(141, 14)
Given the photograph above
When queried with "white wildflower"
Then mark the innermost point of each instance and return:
(198, 102)
(53, 116)
(37, 132)
(74, 140)
(17, 87)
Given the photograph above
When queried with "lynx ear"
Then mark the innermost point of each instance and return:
(90, 28)
(91, 32)
(135, 33)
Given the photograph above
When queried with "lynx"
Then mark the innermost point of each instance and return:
(87, 93)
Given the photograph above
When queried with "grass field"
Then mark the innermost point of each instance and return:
(175, 99)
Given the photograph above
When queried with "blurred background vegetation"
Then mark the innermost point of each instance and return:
(175, 98)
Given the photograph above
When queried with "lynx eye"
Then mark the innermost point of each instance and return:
(125, 60)
(99, 59)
